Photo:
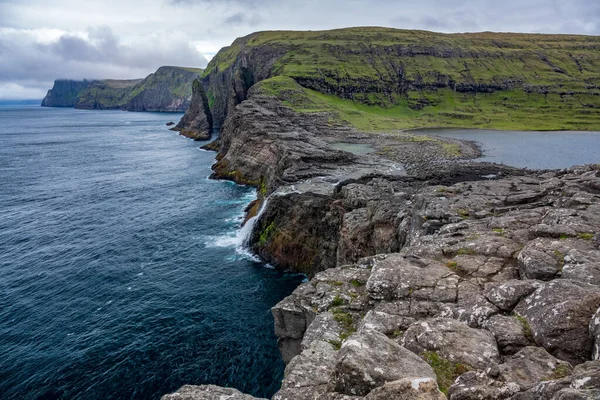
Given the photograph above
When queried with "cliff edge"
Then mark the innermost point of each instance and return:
(169, 89)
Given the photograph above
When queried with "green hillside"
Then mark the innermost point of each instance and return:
(382, 79)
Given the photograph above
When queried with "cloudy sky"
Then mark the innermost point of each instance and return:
(41, 40)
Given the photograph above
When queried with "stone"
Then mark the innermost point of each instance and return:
(536, 264)
(558, 314)
(207, 392)
(532, 365)
(506, 295)
(476, 385)
(397, 276)
(583, 381)
(408, 389)
(308, 374)
(595, 334)
(369, 359)
(582, 265)
(454, 341)
(508, 332)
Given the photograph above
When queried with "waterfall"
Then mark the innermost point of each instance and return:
(243, 235)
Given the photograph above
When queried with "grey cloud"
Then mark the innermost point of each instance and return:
(241, 18)
(35, 65)
(137, 45)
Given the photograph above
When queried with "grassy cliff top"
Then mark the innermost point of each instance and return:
(382, 79)
(361, 52)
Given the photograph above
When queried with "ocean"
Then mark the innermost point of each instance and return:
(122, 269)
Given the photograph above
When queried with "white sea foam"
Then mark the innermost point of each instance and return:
(239, 238)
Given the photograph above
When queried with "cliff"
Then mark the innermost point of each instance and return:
(430, 277)
(168, 89)
(384, 79)
(64, 93)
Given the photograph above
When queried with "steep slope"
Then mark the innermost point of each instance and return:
(383, 79)
(64, 93)
(106, 94)
(168, 89)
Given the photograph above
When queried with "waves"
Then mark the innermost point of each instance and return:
(123, 274)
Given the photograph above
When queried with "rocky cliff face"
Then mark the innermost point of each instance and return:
(197, 122)
(405, 79)
(168, 89)
(64, 93)
(429, 278)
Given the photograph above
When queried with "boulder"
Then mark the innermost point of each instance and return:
(454, 341)
(509, 333)
(558, 315)
(307, 375)
(583, 381)
(506, 295)
(408, 389)
(369, 359)
(537, 264)
(478, 385)
(532, 365)
(207, 392)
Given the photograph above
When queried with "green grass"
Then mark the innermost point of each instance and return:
(521, 111)
(526, 327)
(380, 79)
(356, 283)
(585, 236)
(561, 371)
(336, 302)
(463, 251)
(445, 370)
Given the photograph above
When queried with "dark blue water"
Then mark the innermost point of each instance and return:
(119, 275)
(527, 149)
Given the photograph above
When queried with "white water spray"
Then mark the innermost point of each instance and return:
(241, 238)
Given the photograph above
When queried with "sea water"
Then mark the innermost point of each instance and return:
(122, 268)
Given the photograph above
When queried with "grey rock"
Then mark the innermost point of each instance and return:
(508, 332)
(585, 379)
(397, 277)
(536, 264)
(506, 295)
(369, 359)
(595, 334)
(559, 313)
(454, 341)
(308, 374)
(207, 392)
(530, 366)
(408, 389)
(582, 265)
(477, 385)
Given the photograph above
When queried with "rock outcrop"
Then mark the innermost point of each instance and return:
(169, 89)
(65, 92)
(430, 277)
(197, 122)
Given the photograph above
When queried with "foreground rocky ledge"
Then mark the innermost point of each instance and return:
(494, 294)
